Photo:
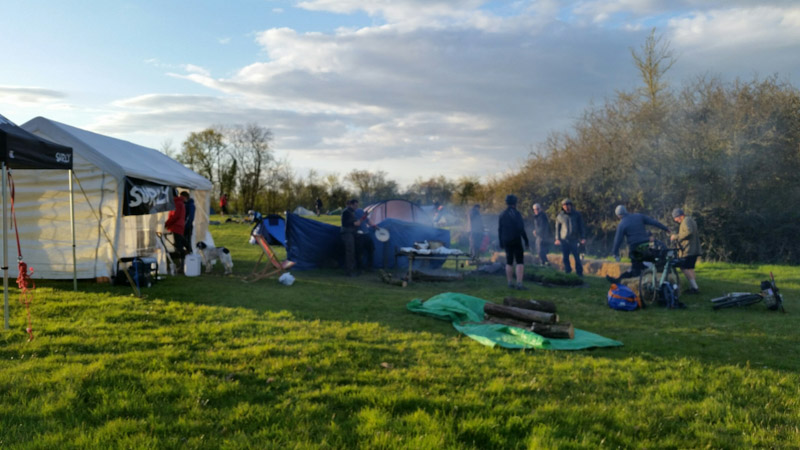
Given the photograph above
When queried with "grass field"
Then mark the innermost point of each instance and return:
(335, 362)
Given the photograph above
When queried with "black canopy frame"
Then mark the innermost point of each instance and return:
(21, 149)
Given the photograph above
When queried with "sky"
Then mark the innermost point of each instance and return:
(414, 88)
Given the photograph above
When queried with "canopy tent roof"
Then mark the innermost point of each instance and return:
(20, 149)
(397, 209)
(118, 157)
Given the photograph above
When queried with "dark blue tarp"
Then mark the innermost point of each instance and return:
(312, 244)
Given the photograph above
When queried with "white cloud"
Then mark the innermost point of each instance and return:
(456, 88)
(26, 95)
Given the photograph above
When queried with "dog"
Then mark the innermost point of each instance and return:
(211, 255)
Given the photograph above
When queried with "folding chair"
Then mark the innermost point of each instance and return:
(275, 267)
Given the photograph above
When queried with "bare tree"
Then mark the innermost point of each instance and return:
(653, 60)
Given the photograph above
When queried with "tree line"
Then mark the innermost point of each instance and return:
(726, 152)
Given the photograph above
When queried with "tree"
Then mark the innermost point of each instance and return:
(372, 186)
(203, 152)
(653, 60)
(250, 148)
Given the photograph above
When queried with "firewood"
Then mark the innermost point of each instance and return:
(526, 315)
(554, 330)
(548, 330)
(536, 305)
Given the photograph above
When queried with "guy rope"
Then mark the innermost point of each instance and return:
(24, 280)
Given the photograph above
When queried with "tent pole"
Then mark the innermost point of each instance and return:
(5, 248)
(72, 228)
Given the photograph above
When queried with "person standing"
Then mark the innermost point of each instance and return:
(188, 228)
(318, 206)
(475, 231)
(632, 227)
(350, 225)
(570, 233)
(541, 233)
(511, 232)
(365, 248)
(223, 204)
(689, 246)
(176, 224)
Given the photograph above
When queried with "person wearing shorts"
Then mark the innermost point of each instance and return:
(689, 247)
(511, 233)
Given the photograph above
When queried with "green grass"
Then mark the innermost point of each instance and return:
(336, 362)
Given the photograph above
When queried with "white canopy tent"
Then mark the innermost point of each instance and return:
(101, 166)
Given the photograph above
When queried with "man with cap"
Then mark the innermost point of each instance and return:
(570, 232)
(688, 246)
(541, 233)
(511, 233)
(632, 227)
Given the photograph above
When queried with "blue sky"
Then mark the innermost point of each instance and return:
(416, 88)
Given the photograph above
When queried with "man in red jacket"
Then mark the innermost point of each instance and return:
(175, 224)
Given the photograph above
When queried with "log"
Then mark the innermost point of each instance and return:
(548, 330)
(525, 315)
(536, 305)
(554, 330)
(507, 321)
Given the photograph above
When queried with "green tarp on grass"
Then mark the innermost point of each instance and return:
(465, 312)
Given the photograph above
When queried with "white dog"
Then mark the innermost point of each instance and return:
(213, 254)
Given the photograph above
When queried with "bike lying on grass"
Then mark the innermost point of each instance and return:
(659, 282)
(769, 294)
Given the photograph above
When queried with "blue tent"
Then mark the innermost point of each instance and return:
(313, 244)
(272, 227)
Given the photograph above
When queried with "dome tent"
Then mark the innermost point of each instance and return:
(397, 209)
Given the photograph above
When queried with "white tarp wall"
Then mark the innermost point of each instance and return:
(101, 164)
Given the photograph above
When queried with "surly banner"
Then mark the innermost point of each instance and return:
(145, 197)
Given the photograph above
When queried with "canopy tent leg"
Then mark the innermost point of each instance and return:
(72, 228)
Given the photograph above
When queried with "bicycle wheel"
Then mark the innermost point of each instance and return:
(647, 285)
(732, 301)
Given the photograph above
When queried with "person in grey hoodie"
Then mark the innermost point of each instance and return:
(570, 232)
(632, 227)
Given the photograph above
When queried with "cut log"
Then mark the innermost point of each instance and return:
(548, 330)
(536, 305)
(526, 315)
(507, 321)
(554, 330)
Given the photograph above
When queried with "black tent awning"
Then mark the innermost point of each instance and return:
(20, 149)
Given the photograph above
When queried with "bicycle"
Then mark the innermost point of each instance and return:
(769, 294)
(659, 282)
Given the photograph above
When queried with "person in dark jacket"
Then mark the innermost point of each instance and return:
(632, 227)
(570, 232)
(188, 229)
(511, 233)
(365, 247)
(475, 231)
(541, 233)
(350, 225)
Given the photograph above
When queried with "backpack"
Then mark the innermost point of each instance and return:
(622, 298)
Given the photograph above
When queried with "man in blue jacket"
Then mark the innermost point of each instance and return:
(632, 227)
(511, 233)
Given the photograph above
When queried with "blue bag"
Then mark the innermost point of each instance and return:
(622, 298)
